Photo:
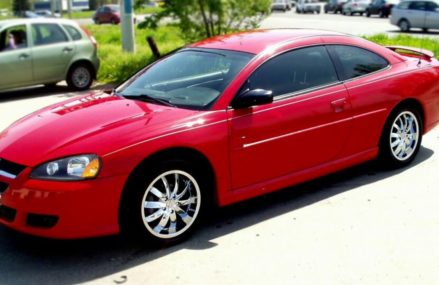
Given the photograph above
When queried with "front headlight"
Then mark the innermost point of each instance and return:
(78, 167)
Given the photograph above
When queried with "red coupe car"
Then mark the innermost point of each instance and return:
(219, 121)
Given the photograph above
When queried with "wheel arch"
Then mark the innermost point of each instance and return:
(184, 153)
(412, 103)
(86, 62)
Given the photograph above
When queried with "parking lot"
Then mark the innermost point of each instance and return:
(354, 25)
(365, 225)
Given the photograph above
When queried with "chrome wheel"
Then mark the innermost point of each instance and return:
(404, 136)
(171, 204)
(81, 77)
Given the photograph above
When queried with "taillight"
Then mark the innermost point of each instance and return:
(90, 37)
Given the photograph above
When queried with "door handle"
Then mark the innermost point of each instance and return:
(67, 49)
(338, 105)
(23, 56)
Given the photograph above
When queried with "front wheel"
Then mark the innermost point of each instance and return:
(164, 205)
(401, 138)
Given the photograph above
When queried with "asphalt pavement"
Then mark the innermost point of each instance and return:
(365, 225)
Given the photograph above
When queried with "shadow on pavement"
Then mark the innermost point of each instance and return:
(415, 32)
(30, 260)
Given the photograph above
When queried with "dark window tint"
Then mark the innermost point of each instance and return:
(73, 32)
(417, 5)
(357, 61)
(44, 34)
(294, 71)
(431, 6)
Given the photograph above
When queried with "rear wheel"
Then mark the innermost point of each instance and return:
(80, 77)
(401, 138)
(163, 205)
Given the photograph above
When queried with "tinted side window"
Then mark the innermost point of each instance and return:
(431, 6)
(294, 71)
(404, 5)
(44, 34)
(357, 61)
(417, 5)
(73, 32)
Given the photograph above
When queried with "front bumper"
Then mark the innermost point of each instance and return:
(58, 209)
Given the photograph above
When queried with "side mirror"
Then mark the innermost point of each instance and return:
(253, 97)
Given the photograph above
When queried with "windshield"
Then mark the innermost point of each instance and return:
(191, 78)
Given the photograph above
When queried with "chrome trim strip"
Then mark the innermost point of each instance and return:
(7, 175)
(295, 133)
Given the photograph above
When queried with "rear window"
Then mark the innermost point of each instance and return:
(73, 32)
(356, 61)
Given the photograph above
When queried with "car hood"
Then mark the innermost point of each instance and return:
(94, 123)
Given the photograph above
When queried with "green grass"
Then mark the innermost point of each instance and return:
(117, 65)
(148, 10)
(79, 14)
(406, 40)
(5, 4)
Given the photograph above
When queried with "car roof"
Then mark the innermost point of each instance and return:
(22, 21)
(259, 40)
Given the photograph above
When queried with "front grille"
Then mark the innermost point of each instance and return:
(41, 221)
(10, 169)
(7, 214)
(3, 187)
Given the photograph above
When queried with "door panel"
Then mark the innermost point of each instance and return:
(15, 68)
(15, 57)
(52, 52)
(288, 135)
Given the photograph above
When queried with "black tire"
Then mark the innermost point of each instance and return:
(367, 13)
(398, 147)
(161, 223)
(113, 21)
(80, 77)
(361, 13)
(404, 25)
(425, 30)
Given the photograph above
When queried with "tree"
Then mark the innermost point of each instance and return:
(205, 18)
(19, 6)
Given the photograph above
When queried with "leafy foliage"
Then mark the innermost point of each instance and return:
(205, 18)
(18, 6)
